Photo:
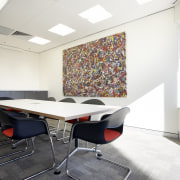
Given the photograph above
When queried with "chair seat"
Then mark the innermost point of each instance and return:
(110, 135)
(8, 132)
(72, 121)
(9, 109)
(84, 118)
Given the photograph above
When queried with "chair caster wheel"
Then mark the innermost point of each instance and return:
(99, 155)
(57, 172)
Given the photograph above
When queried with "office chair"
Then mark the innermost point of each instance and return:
(51, 127)
(82, 119)
(19, 128)
(10, 112)
(98, 132)
(67, 100)
(5, 98)
(51, 99)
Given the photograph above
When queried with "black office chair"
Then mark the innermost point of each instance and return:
(98, 132)
(18, 128)
(82, 119)
(10, 112)
(4, 98)
(67, 100)
(51, 99)
(51, 128)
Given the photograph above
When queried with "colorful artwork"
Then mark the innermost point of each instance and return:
(97, 68)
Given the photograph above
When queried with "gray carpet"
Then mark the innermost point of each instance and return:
(150, 157)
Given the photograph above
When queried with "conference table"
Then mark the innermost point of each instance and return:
(56, 110)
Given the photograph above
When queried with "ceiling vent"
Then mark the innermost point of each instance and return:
(5, 30)
(174, 2)
(21, 35)
(18, 33)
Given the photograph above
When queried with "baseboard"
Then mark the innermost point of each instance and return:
(155, 132)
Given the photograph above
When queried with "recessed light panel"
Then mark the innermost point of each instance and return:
(95, 14)
(38, 40)
(61, 29)
(141, 2)
(3, 3)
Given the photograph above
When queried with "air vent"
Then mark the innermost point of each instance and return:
(5, 30)
(21, 35)
(18, 33)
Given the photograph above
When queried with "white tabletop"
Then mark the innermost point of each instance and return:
(56, 110)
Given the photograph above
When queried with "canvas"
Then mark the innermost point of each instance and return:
(97, 68)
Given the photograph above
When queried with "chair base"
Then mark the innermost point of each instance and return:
(51, 167)
(29, 154)
(17, 152)
(14, 145)
(64, 132)
(116, 164)
(57, 171)
(99, 156)
(5, 142)
(54, 131)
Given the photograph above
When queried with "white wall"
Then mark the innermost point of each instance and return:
(51, 72)
(177, 13)
(177, 20)
(152, 66)
(18, 70)
(178, 80)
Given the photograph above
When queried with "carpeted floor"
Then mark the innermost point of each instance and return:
(150, 157)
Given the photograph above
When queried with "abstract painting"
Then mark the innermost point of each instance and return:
(97, 68)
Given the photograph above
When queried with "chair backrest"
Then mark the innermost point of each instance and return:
(23, 127)
(117, 118)
(51, 99)
(6, 98)
(4, 119)
(93, 101)
(68, 100)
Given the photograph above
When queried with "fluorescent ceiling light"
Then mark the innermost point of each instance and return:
(141, 2)
(39, 40)
(3, 3)
(95, 14)
(61, 29)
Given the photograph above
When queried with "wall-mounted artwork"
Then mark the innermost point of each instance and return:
(97, 68)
